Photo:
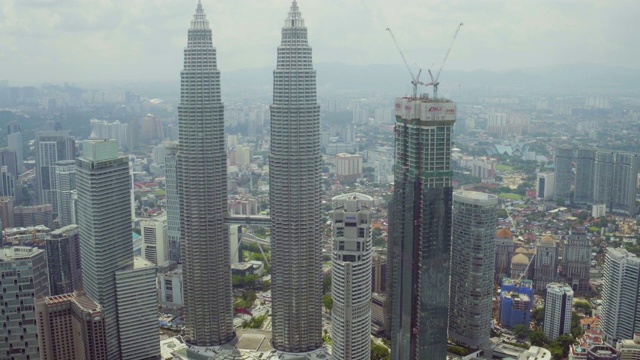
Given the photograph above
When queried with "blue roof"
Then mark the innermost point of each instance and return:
(135, 235)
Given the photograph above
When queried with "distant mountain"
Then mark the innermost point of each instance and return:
(561, 79)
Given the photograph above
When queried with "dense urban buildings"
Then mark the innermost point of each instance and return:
(295, 165)
(104, 217)
(576, 260)
(24, 278)
(351, 277)
(102, 129)
(51, 146)
(27, 216)
(419, 251)
(202, 192)
(545, 263)
(472, 267)
(558, 308)
(63, 260)
(563, 173)
(629, 349)
(620, 295)
(71, 326)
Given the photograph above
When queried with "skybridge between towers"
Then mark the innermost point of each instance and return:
(258, 220)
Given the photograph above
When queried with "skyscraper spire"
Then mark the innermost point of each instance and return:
(199, 18)
(295, 17)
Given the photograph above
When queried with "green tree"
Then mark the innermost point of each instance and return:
(327, 302)
(520, 331)
(538, 314)
(584, 305)
(538, 338)
(379, 352)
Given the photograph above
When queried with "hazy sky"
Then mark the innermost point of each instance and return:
(142, 40)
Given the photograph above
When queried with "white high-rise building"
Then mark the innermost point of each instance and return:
(558, 308)
(295, 165)
(620, 295)
(155, 242)
(65, 186)
(202, 192)
(351, 277)
(472, 267)
(545, 185)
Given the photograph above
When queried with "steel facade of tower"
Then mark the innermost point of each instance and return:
(295, 190)
(104, 217)
(472, 267)
(202, 192)
(420, 229)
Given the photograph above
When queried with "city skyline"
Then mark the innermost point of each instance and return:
(55, 29)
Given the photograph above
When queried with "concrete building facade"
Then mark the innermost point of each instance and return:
(558, 308)
(472, 266)
(155, 242)
(563, 173)
(348, 166)
(620, 295)
(24, 278)
(505, 247)
(295, 165)
(71, 326)
(576, 260)
(585, 171)
(545, 263)
(419, 254)
(351, 277)
(173, 201)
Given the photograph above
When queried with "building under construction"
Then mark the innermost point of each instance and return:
(516, 300)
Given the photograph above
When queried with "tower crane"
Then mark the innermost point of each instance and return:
(415, 80)
(434, 80)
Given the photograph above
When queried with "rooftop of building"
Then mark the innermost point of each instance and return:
(18, 252)
(139, 262)
(548, 240)
(475, 197)
(520, 259)
(352, 196)
(78, 297)
(536, 353)
(23, 230)
(504, 233)
(65, 229)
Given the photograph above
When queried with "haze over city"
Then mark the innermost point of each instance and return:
(110, 41)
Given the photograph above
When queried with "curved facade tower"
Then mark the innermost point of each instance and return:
(202, 190)
(295, 189)
(351, 277)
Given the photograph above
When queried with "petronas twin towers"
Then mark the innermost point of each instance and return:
(295, 173)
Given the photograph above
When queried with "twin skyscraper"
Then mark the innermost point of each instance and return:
(295, 194)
